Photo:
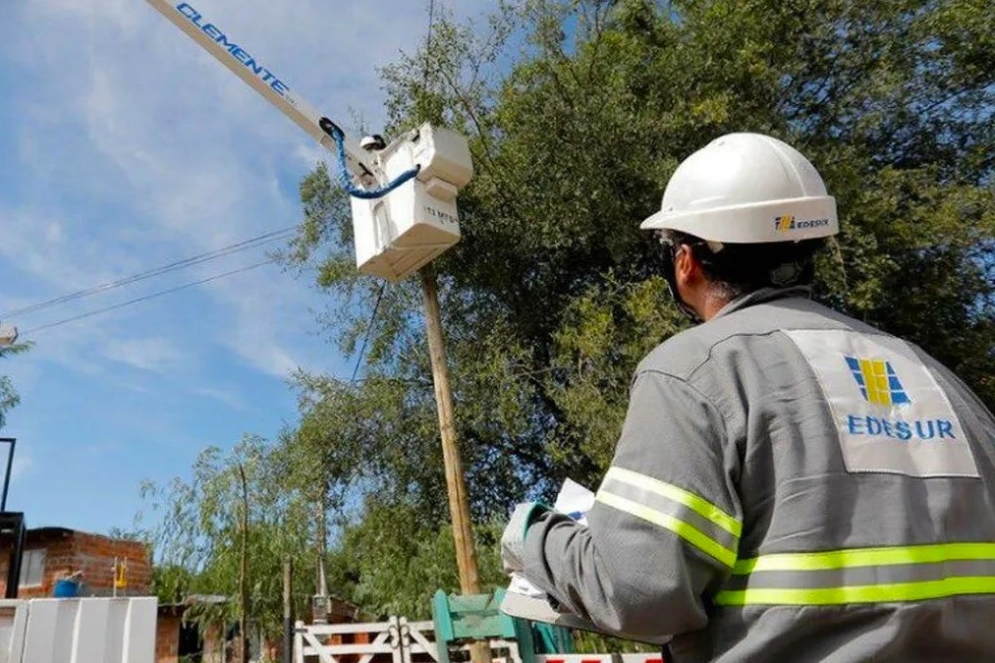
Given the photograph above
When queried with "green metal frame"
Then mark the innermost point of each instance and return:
(479, 617)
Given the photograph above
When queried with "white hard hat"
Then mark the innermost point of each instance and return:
(746, 188)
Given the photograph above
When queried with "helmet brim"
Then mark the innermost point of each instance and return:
(757, 223)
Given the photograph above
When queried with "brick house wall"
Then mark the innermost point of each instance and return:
(167, 638)
(67, 551)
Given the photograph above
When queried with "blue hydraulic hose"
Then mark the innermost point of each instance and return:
(357, 192)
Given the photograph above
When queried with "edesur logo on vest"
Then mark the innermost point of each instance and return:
(880, 385)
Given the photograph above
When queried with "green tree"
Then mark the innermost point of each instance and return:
(578, 112)
(391, 562)
(197, 538)
(360, 452)
(9, 397)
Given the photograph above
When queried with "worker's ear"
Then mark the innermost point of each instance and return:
(687, 267)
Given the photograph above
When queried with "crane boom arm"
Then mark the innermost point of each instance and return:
(402, 195)
(275, 89)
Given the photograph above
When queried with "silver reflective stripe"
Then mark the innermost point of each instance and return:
(867, 575)
(697, 521)
(863, 575)
(661, 504)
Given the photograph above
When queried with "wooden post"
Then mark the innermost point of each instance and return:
(459, 504)
(243, 576)
(288, 612)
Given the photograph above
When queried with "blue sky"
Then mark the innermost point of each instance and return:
(124, 147)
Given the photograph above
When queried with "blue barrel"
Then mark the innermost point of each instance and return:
(66, 589)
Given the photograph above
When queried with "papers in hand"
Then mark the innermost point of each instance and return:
(574, 500)
(525, 600)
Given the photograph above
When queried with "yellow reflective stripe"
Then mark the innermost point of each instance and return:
(906, 591)
(682, 529)
(841, 559)
(702, 507)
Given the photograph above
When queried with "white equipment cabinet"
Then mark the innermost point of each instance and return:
(89, 630)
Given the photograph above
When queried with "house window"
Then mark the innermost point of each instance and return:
(32, 567)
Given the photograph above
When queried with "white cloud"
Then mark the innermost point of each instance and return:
(226, 396)
(53, 233)
(21, 466)
(185, 157)
(156, 354)
(126, 147)
(30, 242)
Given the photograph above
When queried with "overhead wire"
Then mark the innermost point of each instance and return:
(238, 247)
(428, 38)
(366, 336)
(153, 295)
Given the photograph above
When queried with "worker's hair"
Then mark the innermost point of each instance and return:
(739, 269)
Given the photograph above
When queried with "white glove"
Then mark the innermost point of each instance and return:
(513, 538)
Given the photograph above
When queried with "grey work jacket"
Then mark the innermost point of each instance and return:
(789, 485)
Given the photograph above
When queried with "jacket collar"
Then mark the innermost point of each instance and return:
(762, 296)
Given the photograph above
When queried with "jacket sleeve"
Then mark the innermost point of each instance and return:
(664, 530)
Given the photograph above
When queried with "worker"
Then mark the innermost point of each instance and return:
(790, 484)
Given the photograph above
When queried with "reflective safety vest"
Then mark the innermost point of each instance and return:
(790, 485)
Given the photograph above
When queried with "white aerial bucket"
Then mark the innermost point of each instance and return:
(415, 223)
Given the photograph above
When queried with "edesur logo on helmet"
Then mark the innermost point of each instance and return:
(746, 188)
(787, 223)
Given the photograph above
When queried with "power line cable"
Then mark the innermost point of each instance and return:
(153, 295)
(428, 42)
(244, 245)
(431, 26)
(369, 329)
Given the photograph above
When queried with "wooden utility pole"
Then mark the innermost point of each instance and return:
(288, 612)
(459, 503)
(243, 576)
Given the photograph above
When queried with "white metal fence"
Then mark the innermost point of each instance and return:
(397, 638)
(413, 642)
